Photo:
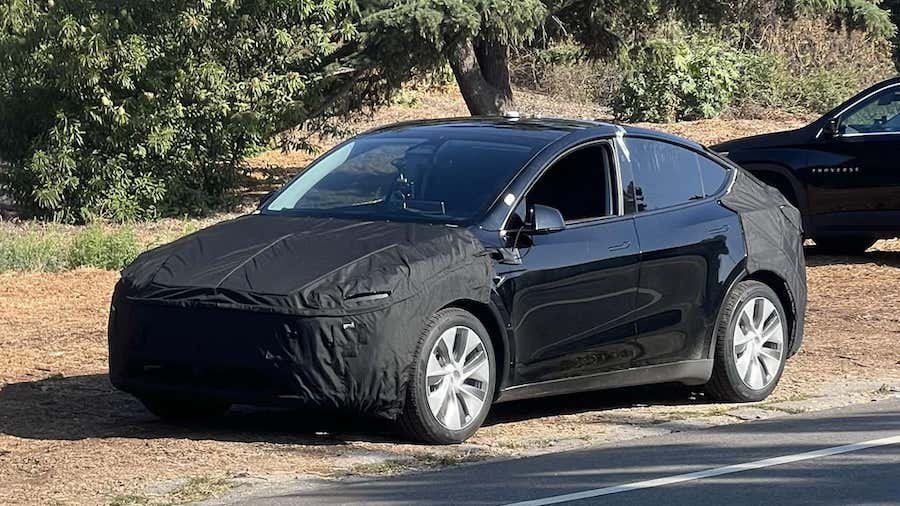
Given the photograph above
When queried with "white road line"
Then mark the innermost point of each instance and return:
(718, 471)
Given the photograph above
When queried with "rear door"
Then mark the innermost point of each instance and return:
(571, 301)
(690, 245)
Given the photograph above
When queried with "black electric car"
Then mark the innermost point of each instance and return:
(423, 271)
(842, 171)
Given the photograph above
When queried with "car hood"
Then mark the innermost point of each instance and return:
(299, 264)
(787, 138)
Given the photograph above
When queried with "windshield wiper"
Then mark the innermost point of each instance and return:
(432, 207)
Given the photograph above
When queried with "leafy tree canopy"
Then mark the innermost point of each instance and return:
(475, 36)
(126, 109)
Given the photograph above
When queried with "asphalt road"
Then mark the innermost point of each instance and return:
(844, 456)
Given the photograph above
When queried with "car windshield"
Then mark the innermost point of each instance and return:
(417, 177)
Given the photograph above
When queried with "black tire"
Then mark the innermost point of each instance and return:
(840, 245)
(417, 422)
(184, 410)
(726, 383)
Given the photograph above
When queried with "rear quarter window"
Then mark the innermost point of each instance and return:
(713, 174)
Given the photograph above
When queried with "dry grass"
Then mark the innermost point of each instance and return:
(67, 437)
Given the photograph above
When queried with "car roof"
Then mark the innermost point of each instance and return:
(538, 129)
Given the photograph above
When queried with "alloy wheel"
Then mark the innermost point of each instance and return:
(758, 343)
(457, 377)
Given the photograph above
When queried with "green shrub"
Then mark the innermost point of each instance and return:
(799, 66)
(96, 247)
(43, 249)
(678, 78)
(768, 81)
(53, 248)
(129, 110)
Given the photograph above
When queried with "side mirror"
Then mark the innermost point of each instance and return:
(546, 219)
(832, 128)
(264, 199)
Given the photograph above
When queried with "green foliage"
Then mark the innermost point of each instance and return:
(864, 15)
(414, 35)
(802, 65)
(807, 66)
(129, 110)
(53, 248)
(98, 248)
(684, 78)
(33, 250)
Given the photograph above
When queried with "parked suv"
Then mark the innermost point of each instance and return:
(424, 271)
(842, 171)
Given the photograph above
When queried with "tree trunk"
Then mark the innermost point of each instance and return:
(481, 69)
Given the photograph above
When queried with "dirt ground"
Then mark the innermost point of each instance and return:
(67, 437)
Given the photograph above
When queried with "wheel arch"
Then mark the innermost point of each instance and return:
(780, 176)
(492, 320)
(778, 285)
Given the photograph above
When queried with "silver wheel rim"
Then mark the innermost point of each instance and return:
(458, 377)
(758, 343)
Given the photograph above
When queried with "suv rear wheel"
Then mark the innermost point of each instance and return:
(751, 344)
(453, 379)
(844, 245)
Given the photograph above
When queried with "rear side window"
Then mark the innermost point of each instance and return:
(665, 175)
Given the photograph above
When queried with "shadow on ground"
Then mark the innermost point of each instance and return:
(82, 407)
(840, 480)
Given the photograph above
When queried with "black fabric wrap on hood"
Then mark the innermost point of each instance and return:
(323, 311)
(773, 231)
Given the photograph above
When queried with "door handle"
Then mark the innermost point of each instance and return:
(719, 230)
(620, 246)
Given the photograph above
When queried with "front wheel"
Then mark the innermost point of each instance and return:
(453, 379)
(751, 345)
(844, 245)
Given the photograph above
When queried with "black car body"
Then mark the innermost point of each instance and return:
(603, 257)
(841, 171)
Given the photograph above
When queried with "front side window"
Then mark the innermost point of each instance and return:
(397, 177)
(579, 185)
(665, 175)
(879, 114)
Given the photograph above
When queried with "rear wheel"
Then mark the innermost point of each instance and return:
(751, 345)
(844, 245)
(453, 379)
(184, 409)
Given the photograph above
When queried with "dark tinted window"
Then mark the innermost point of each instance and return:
(436, 179)
(665, 175)
(579, 185)
(878, 114)
(713, 174)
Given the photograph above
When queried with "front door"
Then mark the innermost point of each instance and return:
(571, 301)
(855, 186)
